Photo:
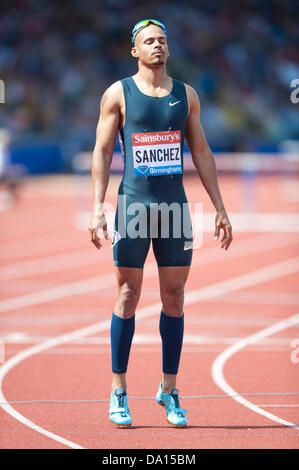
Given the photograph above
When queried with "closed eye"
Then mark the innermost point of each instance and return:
(162, 40)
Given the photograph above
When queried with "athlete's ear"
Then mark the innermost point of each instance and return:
(134, 52)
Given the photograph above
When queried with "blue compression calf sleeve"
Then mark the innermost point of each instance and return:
(121, 335)
(172, 332)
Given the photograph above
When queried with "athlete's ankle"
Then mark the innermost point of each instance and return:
(168, 382)
(118, 384)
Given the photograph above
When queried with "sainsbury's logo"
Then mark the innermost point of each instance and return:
(168, 137)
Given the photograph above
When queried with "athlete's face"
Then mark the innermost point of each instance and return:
(150, 46)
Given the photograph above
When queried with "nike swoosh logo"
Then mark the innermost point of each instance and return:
(172, 104)
(188, 247)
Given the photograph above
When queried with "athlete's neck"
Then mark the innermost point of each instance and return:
(153, 80)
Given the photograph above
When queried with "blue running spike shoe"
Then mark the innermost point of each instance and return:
(119, 412)
(174, 413)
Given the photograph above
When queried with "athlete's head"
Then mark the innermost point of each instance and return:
(149, 39)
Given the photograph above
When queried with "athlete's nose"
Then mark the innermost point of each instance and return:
(157, 44)
(158, 48)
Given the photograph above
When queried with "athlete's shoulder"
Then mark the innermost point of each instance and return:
(113, 90)
(192, 97)
(113, 95)
(191, 92)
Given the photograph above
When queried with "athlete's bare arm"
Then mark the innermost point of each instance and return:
(110, 120)
(204, 162)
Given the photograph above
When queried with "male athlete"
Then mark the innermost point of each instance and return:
(153, 114)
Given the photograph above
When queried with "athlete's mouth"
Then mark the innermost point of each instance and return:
(157, 53)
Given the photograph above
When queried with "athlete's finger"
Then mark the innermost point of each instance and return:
(105, 232)
(97, 242)
(226, 241)
(228, 231)
(217, 231)
(92, 233)
(225, 233)
(97, 245)
(101, 225)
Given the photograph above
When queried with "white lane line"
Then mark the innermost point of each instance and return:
(258, 222)
(255, 277)
(194, 397)
(58, 317)
(66, 338)
(262, 298)
(58, 292)
(278, 406)
(241, 221)
(83, 286)
(221, 360)
(31, 245)
(55, 263)
(23, 338)
(289, 266)
(243, 248)
(95, 284)
(49, 264)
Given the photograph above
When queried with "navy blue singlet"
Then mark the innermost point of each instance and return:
(153, 139)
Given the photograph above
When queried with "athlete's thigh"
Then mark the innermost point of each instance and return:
(174, 244)
(132, 277)
(131, 253)
(129, 250)
(173, 252)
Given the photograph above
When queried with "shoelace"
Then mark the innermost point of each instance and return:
(178, 408)
(121, 403)
(121, 400)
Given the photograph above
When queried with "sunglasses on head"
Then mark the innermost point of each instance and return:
(143, 23)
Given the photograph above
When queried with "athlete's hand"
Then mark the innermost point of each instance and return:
(96, 224)
(222, 222)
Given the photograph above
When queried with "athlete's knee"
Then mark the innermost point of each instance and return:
(127, 300)
(172, 297)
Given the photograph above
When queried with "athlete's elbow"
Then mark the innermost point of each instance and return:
(197, 158)
(202, 155)
(102, 156)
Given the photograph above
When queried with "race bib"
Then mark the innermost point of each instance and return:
(157, 153)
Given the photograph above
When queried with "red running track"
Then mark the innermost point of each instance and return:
(54, 282)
